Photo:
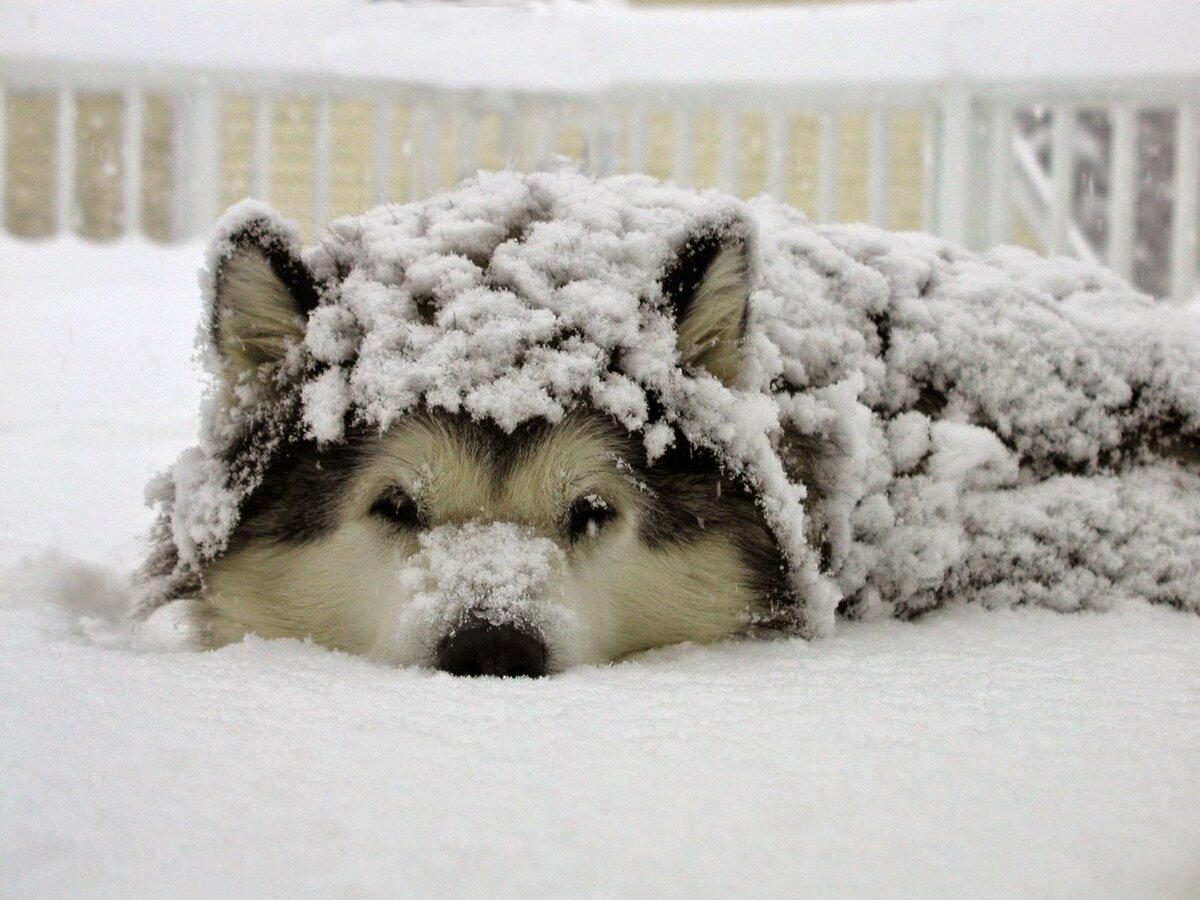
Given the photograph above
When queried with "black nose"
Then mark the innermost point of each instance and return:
(481, 648)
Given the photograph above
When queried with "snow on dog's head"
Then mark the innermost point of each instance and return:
(535, 384)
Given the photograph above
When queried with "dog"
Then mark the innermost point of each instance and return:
(656, 455)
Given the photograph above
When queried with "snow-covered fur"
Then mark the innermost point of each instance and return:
(599, 416)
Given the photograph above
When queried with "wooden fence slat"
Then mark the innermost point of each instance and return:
(468, 143)
(682, 148)
(637, 140)
(930, 141)
(727, 152)
(1183, 221)
(508, 137)
(1000, 164)
(545, 135)
(260, 163)
(827, 168)
(878, 166)
(381, 151)
(424, 124)
(1062, 162)
(322, 173)
(197, 162)
(132, 129)
(1122, 189)
(777, 153)
(954, 166)
(601, 145)
(64, 162)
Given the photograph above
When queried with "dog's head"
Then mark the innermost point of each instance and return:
(445, 540)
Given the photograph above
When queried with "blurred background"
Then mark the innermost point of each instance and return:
(1067, 127)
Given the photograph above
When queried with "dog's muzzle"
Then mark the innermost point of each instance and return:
(478, 647)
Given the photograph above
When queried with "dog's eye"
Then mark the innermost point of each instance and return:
(587, 515)
(395, 507)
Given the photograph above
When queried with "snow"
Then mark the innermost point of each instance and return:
(584, 47)
(996, 753)
(97, 390)
(490, 572)
(767, 764)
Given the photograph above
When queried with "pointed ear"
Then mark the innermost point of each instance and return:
(708, 286)
(262, 293)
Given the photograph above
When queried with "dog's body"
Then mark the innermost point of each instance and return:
(452, 537)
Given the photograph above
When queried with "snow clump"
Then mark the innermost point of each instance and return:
(497, 573)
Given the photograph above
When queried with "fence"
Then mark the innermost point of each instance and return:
(975, 176)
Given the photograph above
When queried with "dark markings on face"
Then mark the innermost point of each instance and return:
(684, 495)
(302, 489)
(690, 494)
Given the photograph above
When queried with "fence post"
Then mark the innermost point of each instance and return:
(954, 164)
(467, 122)
(827, 169)
(682, 151)
(777, 153)
(546, 122)
(260, 181)
(601, 140)
(131, 158)
(930, 143)
(381, 150)
(878, 167)
(64, 163)
(1183, 219)
(1000, 163)
(1062, 162)
(1122, 176)
(508, 139)
(197, 163)
(427, 134)
(322, 173)
(727, 152)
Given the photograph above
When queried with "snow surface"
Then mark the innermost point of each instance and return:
(586, 46)
(1010, 753)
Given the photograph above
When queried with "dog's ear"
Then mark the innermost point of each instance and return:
(708, 287)
(261, 294)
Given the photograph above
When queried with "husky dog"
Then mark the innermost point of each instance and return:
(632, 556)
(457, 534)
(626, 554)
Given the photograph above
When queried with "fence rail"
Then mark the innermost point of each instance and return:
(978, 176)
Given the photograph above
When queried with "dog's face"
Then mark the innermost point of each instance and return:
(447, 542)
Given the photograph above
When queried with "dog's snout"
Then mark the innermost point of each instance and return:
(481, 648)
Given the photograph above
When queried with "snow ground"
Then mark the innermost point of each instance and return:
(984, 754)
